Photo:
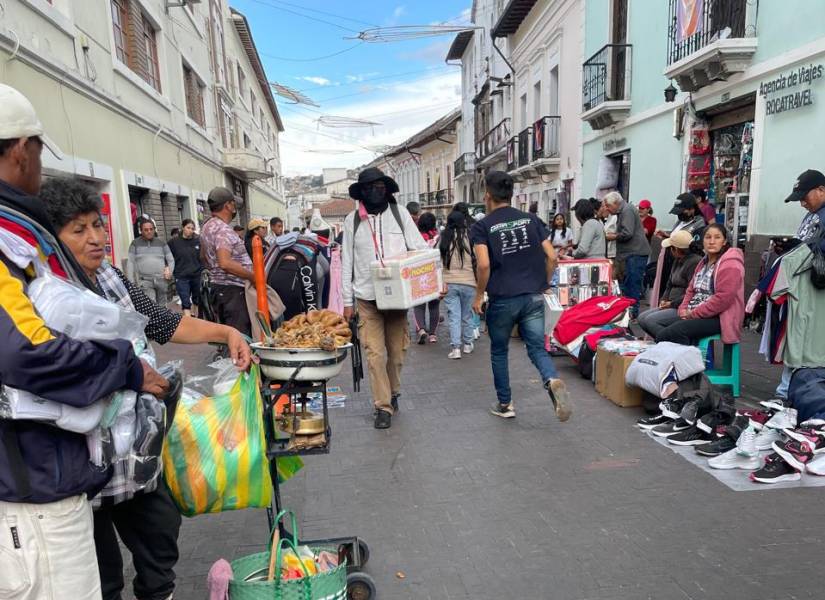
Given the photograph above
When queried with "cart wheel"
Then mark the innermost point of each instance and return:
(360, 586)
(364, 551)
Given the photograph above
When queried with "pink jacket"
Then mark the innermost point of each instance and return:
(728, 300)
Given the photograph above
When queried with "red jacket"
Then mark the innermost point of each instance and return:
(728, 299)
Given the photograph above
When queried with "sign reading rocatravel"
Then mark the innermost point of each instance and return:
(793, 100)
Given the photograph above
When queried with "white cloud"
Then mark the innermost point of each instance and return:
(360, 77)
(402, 108)
(323, 81)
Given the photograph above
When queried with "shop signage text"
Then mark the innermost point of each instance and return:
(786, 81)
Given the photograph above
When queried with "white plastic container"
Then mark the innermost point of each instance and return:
(407, 280)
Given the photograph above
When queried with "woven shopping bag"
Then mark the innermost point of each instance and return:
(331, 585)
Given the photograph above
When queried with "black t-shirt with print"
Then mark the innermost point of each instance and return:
(517, 260)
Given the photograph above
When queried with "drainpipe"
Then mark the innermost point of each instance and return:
(504, 58)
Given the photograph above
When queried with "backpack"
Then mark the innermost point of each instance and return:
(294, 277)
(395, 213)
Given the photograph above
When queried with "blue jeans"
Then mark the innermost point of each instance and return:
(189, 291)
(526, 311)
(634, 274)
(459, 303)
(784, 383)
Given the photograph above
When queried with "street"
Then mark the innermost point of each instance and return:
(457, 504)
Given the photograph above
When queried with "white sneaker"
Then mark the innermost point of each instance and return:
(468, 348)
(817, 465)
(732, 459)
(765, 438)
(455, 353)
(476, 333)
(746, 444)
(784, 419)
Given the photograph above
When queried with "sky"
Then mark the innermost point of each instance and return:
(403, 86)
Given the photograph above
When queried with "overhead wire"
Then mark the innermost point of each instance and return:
(289, 59)
(293, 12)
(322, 12)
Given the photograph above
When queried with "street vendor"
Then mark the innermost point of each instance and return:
(148, 521)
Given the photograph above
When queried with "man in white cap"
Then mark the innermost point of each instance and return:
(47, 548)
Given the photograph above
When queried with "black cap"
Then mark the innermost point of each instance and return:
(218, 197)
(499, 184)
(806, 182)
(684, 202)
(372, 175)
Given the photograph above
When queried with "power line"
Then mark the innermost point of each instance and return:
(322, 12)
(293, 12)
(272, 56)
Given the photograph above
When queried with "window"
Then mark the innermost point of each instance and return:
(151, 70)
(253, 104)
(247, 142)
(241, 83)
(194, 91)
(261, 116)
(120, 17)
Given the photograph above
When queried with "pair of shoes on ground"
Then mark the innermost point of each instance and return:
(455, 353)
(383, 418)
(559, 396)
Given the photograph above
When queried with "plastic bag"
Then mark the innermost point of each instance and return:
(215, 459)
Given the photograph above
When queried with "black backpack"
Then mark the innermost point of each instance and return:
(395, 213)
(295, 279)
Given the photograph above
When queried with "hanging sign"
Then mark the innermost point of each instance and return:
(780, 95)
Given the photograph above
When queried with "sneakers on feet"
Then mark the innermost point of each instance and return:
(672, 407)
(795, 453)
(468, 348)
(422, 337)
(732, 459)
(433, 339)
(455, 353)
(669, 429)
(383, 419)
(476, 333)
(647, 423)
(560, 398)
(716, 447)
(505, 411)
(692, 436)
(775, 470)
(784, 419)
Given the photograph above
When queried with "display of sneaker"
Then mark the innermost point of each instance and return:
(716, 447)
(817, 465)
(812, 437)
(672, 407)
(784, 419)
(775, 470)
(746, 444)
(709, 422)
(505, 411)
(694, 409)
(647, 423)
(733, 459)
(669, 429)
(454, 354)
(758, 417)
(557, 390)
(766, 438)
(796, 453)
(692, 436)
(468, 348)
(776, 404)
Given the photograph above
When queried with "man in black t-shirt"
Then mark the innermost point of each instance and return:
(514, 263)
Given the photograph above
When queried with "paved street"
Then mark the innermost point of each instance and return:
(466, 505)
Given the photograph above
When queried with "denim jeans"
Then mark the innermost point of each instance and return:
(459, 303)
(634, 274)
(784, 383)
(189, 291)
(526, 311)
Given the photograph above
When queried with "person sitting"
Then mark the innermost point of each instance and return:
(714, 302)
(652, 321)
(592, 242)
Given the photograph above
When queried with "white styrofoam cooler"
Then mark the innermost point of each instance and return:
(407, 280)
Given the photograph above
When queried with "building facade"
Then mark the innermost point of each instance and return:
(153, 106)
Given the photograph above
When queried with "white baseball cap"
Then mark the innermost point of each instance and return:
(18, 119)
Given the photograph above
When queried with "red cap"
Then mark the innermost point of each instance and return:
(645, 203)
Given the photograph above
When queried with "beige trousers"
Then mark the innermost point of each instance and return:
(385, 336)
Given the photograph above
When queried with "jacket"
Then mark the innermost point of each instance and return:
(592, 242)
(630, 234)
(147, 259)
(728, 299)
(187, 256)
(357, 255)
(40, 463)
(681, 274)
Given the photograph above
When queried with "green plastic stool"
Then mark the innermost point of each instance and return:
(729, 373)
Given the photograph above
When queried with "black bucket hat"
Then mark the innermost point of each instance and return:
(684, 202)
(371, 175)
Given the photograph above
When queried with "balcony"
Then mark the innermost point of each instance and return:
(245, 164)
(606, 86)
(711, 44)
(546, 150)
(464, 165)
(443, 198)
(492, 143)
(512, 154)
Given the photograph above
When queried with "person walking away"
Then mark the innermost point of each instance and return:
(458, 260)
(46, 478)
(561, 236)
(654, 320)
(425, 330)
(514, 264)
(255, 227)
(592, 241)
(632, 248)
(378, 229)
(150, 263)
(648, 220)
(186, 250)
(714, 302)
(276, 229)
(227, 261)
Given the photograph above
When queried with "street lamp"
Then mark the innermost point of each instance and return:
(670, 93)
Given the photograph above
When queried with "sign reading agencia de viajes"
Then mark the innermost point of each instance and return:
(776, 103)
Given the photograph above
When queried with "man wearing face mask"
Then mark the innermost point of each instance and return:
(227, 260)
(379, 228)
(689, 216)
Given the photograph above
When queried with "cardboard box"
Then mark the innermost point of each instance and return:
(407, 280)
(610, 379)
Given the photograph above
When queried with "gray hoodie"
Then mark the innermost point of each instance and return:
(147, 259)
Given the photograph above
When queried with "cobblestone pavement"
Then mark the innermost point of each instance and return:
(467, 505)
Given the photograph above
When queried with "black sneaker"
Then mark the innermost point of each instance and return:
(692, 436)
(394, 402)
(672, 407)
(709, 422)
(716, 447)
(505, 411)
(775, 470)
(422, 337)
(694, 409)
(648, 423)
(383, 419)
(669, 429)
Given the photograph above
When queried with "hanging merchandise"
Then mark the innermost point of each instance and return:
(699, 139)
(746, 158)
(699, 165)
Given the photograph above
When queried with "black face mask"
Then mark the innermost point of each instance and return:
(375, 200)
(685, 216)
